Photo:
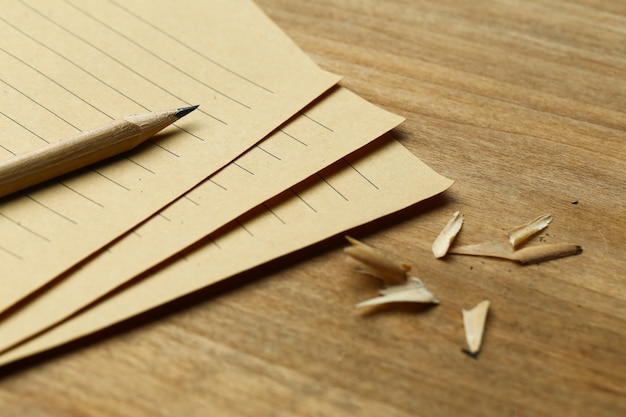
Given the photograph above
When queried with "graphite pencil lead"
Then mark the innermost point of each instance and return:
(184, 111)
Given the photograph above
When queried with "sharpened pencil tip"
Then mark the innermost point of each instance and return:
(184, 111)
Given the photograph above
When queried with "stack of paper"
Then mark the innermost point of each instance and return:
(277, 157)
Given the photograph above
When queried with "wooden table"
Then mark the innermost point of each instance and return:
(522, 103)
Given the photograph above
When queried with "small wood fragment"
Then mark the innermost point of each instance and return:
(413, 291)
(529, 255)
(495, 249)
(542, 253)
(474, 323)
(376, 263)
(444, 240)
(520, 234)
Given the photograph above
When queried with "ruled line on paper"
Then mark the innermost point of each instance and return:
(40, 105)
(306, 203)
(23, 127)
(145, 168)
(243, 226)
(163, 148)
(215, 243)
(122, 64)
(50, 209)
(273, 213)
(81, 195)
(21, 226)
(332, 187)
(360, 173)
(188, 47)
(74, 95)
(14, 255)
(152, 53)
(186, 197)
(317, 122)
(292, 137)
(111, 180)
(65, 120)
(188, 132)
(74, 64)
(212, 181)
(4, 147)
(268, 152)
(55, 82)
(235, 163)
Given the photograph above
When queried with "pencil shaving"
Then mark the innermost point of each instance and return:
(413, 291)
(446, 237)
(522, 233)
(474, 323)
(542, 253)
(376, 263)
(495, 249)
(529, 255)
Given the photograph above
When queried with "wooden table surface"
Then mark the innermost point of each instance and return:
(522, 103)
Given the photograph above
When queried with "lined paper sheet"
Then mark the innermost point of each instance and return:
(70, 66)
(375, 181)
(337, 124)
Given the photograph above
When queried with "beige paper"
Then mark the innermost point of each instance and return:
(382, 178)
(336, 125)
(69, 66)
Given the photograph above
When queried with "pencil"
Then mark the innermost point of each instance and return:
(25, 170)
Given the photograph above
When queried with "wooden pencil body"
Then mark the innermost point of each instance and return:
(59, 158)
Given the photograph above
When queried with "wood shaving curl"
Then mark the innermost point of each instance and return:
(394, 273)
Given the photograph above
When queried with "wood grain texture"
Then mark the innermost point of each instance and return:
(522, 103)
